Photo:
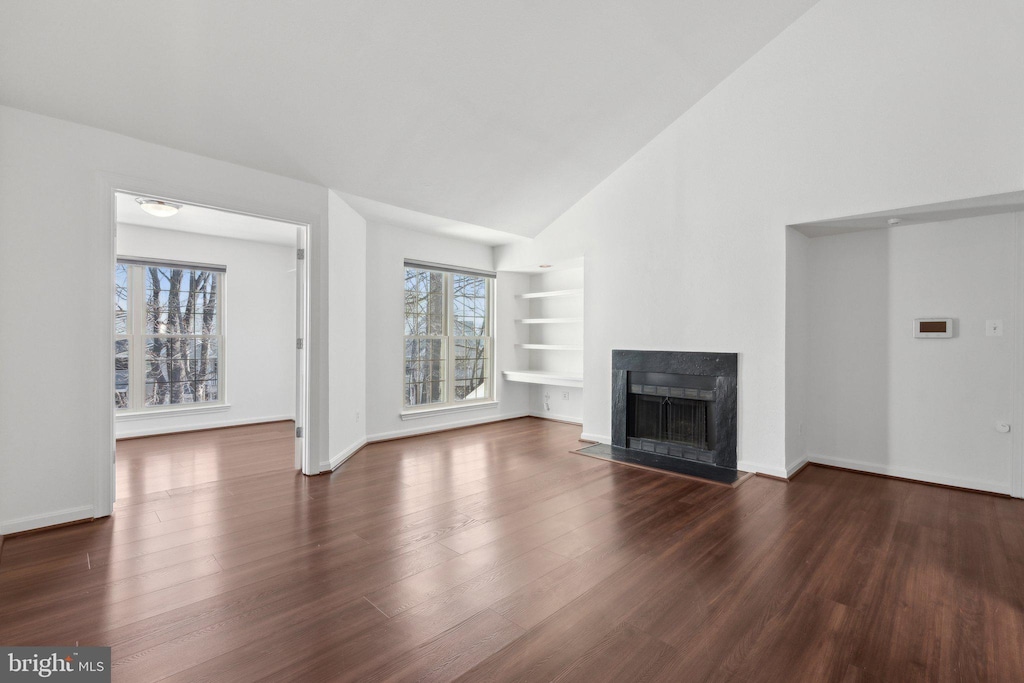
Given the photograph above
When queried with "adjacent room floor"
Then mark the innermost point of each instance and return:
(493, 553)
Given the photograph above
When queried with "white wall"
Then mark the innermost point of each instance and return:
(259, 354)
(347, 330)
(514, 397)
(56, 217)
(860, 105)
(879, 399)
(797, 320)
(551, 402)
(387, 247)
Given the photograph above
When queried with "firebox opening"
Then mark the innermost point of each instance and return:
(671, 414)
(679, 420)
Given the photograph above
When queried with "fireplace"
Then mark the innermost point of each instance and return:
(671, 414)
(676, 411)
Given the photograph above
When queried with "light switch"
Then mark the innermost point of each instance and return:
(993, 328)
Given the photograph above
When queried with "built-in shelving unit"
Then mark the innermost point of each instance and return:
(550, 347)
(549, 321)
(550, 377)
(550, 295)
(552, 330)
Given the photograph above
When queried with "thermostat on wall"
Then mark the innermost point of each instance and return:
(933, 328)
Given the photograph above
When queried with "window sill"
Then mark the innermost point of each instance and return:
(430, 412)
(170, 412)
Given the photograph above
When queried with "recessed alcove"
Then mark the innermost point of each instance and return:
(548, 326)
(862, 391)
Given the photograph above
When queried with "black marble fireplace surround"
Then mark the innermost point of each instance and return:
(676, 411)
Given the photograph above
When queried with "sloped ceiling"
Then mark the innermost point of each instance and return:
(500, 114)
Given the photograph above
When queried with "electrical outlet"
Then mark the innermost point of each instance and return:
(357, 416)
(565, 395)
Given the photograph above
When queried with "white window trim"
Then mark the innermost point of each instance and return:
(478, 404)
(137, 350)
(171, 411)
(451, 405)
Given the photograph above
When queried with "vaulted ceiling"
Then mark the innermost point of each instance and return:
(495, 113)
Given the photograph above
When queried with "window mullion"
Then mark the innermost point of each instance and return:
(449, 280)
(491, 369)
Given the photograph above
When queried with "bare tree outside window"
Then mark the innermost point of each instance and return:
(172, 326)
(425, 370)
(470, 299)
(122, 342)
(447, 337)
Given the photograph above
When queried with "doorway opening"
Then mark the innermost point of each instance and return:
(209, 320)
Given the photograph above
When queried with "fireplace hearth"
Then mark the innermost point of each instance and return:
(676, 411)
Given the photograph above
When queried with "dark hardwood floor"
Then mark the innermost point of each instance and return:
(493, 554)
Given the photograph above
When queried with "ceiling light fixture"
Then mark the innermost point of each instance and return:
(894, 221)
(545, 265)
(157, 207)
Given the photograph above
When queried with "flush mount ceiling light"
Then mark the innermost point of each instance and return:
(157, 207)
(544, 265)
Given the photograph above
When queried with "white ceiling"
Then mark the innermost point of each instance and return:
(422, 222)
(494, 113)
(204, 221)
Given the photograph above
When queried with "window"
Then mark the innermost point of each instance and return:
(169, 337)
(448, 336)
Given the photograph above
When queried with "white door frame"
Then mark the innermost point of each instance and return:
(109, 184)
(1017, 428)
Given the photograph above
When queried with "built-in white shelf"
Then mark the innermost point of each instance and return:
(558, 379)
(550, 347)
(548, 295)
(549, 321)
(552, 331)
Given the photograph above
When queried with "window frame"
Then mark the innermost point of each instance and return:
(449, 339)
(137, 336)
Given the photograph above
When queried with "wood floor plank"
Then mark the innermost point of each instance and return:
(494, 553)
(555, 644)
(183, 652)
(623, 654)
(465, 570)
(451, 654)
(146, 634)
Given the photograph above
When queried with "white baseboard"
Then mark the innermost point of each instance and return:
(561, 418)
(598, 438)
(336, 460)
(414, 431)
(793, 469)
(167, 429)
(917, 475)
(13, 526)
(761, 468)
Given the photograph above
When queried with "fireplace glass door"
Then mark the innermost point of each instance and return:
(673, 420)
